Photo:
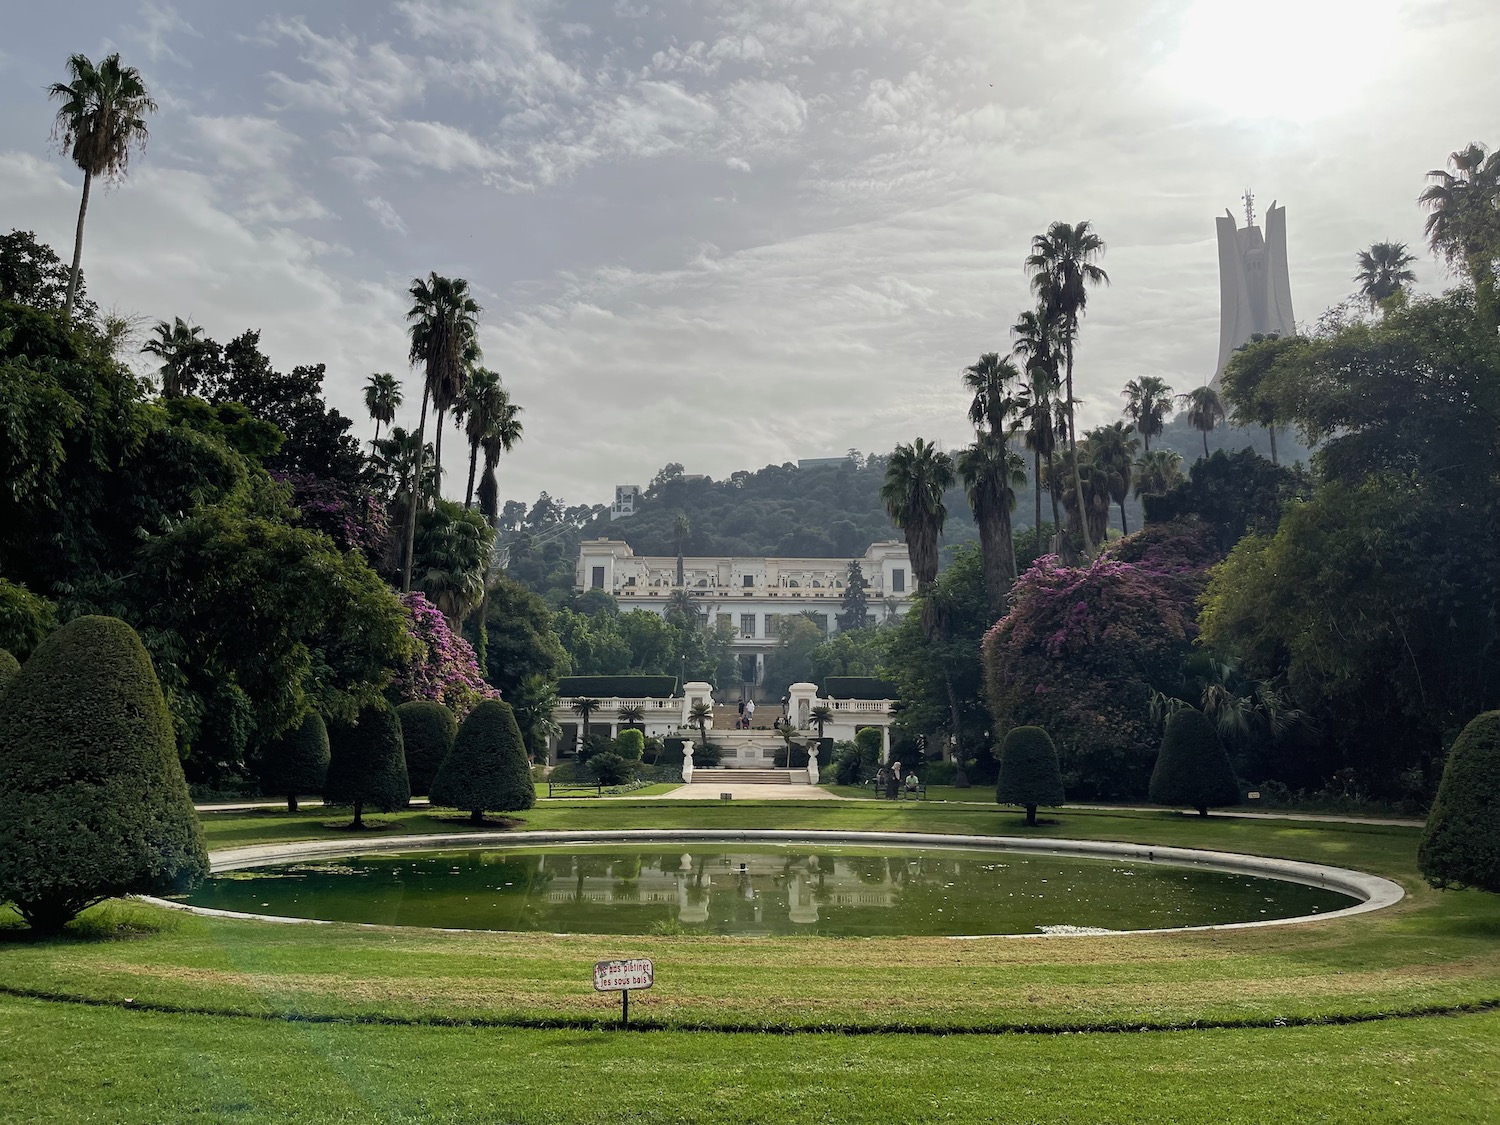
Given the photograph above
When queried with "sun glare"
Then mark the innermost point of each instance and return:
(1291, 59)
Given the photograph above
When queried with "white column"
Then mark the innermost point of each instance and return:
(885, 744)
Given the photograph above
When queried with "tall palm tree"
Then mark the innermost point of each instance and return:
(453, 552)
(991, 474)
(1147, 401)
(1157, 473)
(1062, 267)
(1036, 340)
(382, 399)
(1383, 271)
(1462, 226)
(444, 322)
(1205, 410)
(680, 529)
(101, 120)
(1112, 449)
(681, 601)
(504, 434)
(990, 381)
(916, 476)
(396, 458)
(478, 408)
(175, 345)
(1096, 484)
(584, 709)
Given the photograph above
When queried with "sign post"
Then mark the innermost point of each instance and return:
(624, 976)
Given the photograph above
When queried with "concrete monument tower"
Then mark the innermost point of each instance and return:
(1255, 293)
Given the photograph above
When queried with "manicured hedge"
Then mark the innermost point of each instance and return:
(297, 762)
(10, 668)
(1192, 768)
(367, 764)
(487, 770)
(858, 687)
(616, 687)
(1461, 844)
(1029, 772)
(427, 733)
(630, 744)
(95, 804)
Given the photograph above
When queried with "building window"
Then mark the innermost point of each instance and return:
(630, 581)
(749, 581)
(771, 623)
(598, 578)
(898, 581)
(747, 624)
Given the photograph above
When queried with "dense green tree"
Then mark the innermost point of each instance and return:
(1158, 472)
(427, 733)
(32, 274)
(1461, 843)
(1192, 768)
(630, 744)
(1234, 493)
(1029, 773)
(96, 805)
(1063, 266)
(854, 604)
(297, 762)
(452, 558)
(367, 764)
(25, 619)
(1463, 224)
(790, 662)
(522, 641)
(444, 327)
(101, 121)
(487, 770)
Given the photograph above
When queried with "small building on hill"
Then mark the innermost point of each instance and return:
(750, 593)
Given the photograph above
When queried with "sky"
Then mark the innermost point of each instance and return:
(735, 232)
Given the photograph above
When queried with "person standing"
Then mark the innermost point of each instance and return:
(749, 713)
(739, 723)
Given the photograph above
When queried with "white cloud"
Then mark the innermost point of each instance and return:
(385, 214)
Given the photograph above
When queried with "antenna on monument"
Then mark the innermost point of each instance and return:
(1249, 208)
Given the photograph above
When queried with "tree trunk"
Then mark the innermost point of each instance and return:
(1124, 530)
(476, 816)
(1052, 492)
(376, 440)
(437, 450)
(359, 821)
(1030, 816)
(473, 463)
(1205, 443)
(1036, 484)
(416, 488)
(960, 776)
(83, 206)
(291, 802)
(1202, 810)
(1088, 540)
(1271, 432)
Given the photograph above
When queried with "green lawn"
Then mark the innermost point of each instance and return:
(1433, 952)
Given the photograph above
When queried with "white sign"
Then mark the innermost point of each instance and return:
(619, 976)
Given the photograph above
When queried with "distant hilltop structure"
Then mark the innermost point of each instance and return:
(1255, 292)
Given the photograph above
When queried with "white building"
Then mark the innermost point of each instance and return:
(752, 594)
(626, 496)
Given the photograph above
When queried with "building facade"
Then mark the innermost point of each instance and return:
(751, 593)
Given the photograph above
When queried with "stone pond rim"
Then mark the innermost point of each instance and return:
(1373, 892)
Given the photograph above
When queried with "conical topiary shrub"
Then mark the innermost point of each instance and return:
(427, 730)
(367, 765)
(1029, 773)
(94, 802)
(297, 762)
(10, 668)
(1461, 844)
(487, 769)
(1192, 768)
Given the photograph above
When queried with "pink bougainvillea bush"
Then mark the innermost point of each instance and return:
(354, 518)
(443, 667)
(1082, 648)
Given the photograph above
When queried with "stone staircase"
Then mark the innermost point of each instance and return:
(718, 775)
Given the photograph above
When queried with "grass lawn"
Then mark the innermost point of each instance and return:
(217, 992)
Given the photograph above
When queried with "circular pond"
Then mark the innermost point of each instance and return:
(763, 889)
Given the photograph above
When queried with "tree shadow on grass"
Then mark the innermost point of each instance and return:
(111, 920)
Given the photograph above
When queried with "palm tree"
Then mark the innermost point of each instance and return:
(680, 529)
(699, 716)
(1158, 472)
(1205, 410)
(479, 408)
(1462, 226)
(382, 399)
(504, 434)
(1112, 450)
(990, 381)
(1147, 401)
(175, 345)
(584, 709)
(991, 474)
(1382, 271)
(681, 601)
(633, 715)
(101, 119)
(1062, 268)
(821, 716)
(1096, 484)
(396, 458)
(1035, 339)
(916, 476)
(444, 321)
(453, 549)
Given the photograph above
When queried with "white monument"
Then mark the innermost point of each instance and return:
(1255, 291)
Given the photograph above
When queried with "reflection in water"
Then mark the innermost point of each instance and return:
(759, 891)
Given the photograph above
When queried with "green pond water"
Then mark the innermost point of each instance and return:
(748, 890)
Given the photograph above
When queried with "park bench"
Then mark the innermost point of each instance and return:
(902, 792)
(553, 787)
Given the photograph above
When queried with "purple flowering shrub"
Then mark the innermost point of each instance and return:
(443, 667)
(354, 518)
(1082, 648)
